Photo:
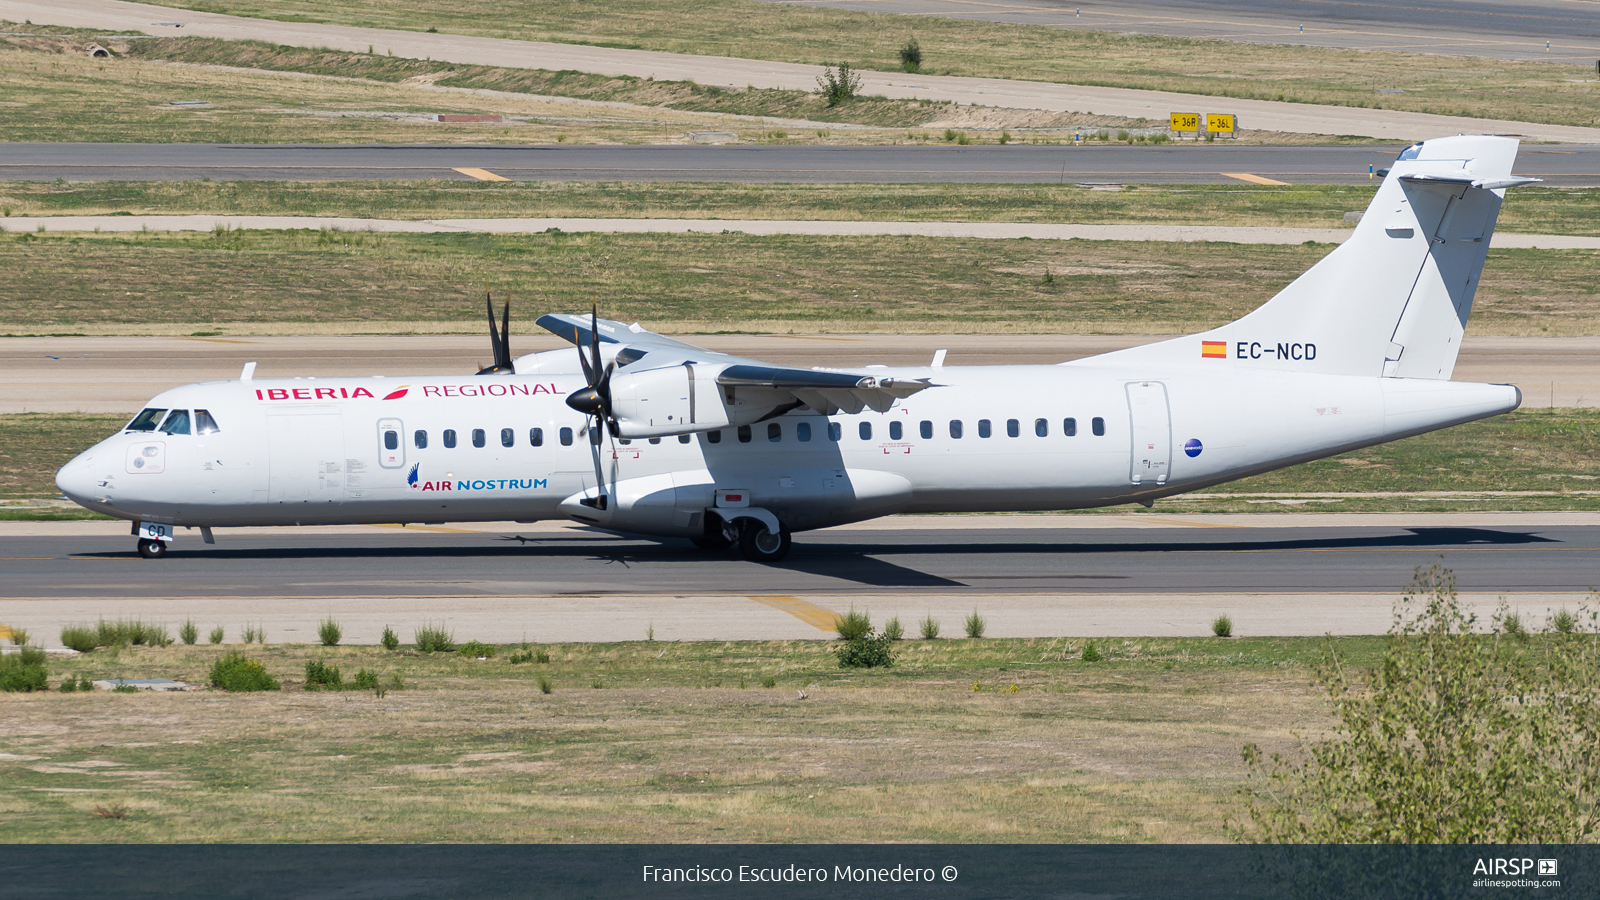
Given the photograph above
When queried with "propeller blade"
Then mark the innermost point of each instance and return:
(503, 348)
(499, 340)
(594, 338)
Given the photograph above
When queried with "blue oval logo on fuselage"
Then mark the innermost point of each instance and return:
(1193, 447)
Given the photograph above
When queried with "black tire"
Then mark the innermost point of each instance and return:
(757, 544)
(152, 549)
(712, 543)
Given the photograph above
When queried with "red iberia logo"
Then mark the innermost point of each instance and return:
(398, 393)
(1213, 349)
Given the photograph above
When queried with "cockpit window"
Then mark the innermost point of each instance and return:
(146, 420)
(1411, 152)
(177, 422)
(203, 423)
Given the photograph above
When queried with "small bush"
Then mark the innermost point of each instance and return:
(81, 685)
(396, 682)
(1511, 624)
(852, 625)
(962, 139)
(893, 630)
(911, 56)
(432, 638)
(124, 689)
(254, 634)
(130, 631)
(19, 637)
(837, 85)
(321, 675)
(769, 682)
(545, 686)
(117, 811)
(24, 671)
(236, 672)
(478, 650)
(976, 625)
(1564, 622)
(1090, 654)
(866, 652)
(949, 134)
(79, 637)
(537, 654)
(189, 633)
(329, 632)
(365, 680)
(1222, 626)
(216, 635)
(1005, 137)
(390, 640)
(929, 627)
(1123, 136)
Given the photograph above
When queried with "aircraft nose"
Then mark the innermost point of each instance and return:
(75, 479)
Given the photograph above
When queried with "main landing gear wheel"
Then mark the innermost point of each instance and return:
(152, 549)
(757, 544)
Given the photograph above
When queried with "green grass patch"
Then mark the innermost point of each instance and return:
(1446, 85)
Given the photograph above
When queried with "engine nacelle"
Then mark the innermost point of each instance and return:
(684, 399)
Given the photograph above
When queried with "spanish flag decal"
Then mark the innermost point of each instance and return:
(1213, 349)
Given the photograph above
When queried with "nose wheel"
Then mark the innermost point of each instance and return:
(152, 549)
(757, 544)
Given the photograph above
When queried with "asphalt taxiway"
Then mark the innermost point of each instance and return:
(1027, 575)
(1567, 166)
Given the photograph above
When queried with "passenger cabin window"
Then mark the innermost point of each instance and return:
(802, 432)
(536, 437)
(925, 428)
(1069, 427)
(714, 437)
(865, 430)
(896, 430)
(744, 434)
(391, 440)
(566, 437)
(508, 437)
(478, 439)
(1013, 428)
(1098, 426)
(1041, 427)
(955, 429)
(655, 440)
(774, 432)
(835, 431)
(203, 423)
(420, 439)
(147, 420)
(177, 422)
(450, 438)
(983, 428)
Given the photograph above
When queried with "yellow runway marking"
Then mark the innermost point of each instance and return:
(1253, 179)
(809, 613)
(482, 174)
(5, 633)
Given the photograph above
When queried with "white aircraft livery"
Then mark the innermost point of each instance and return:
(637, 433)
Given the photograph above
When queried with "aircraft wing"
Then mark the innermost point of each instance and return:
(827, 391)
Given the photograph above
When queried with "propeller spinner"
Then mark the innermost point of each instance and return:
(499, 340)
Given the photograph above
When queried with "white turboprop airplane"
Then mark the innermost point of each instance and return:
(722, 450)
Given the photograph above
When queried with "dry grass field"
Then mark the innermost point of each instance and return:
(963, 740)
(1531, 91)
(362, 282)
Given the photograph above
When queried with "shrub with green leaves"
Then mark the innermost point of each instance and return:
(769, 682)
(870, 651)
(253, 634)
(432, 638)
(236, 672)
(81, 638)
(19, 637)
(852, 625)
(24, 671)
(82, 684)
(976, 626)
(189, 633)
(1564, 622)
(365, 680)
(216, 635)
(321, 675)
(893, 630)
(536, 654)
(477, 650)
(911, 56)
(390, 640)
(329, 632)
(929, 627)
(1454, 737)
(1222, 626)
(1090, 653)
(545, 684)
(838, 84)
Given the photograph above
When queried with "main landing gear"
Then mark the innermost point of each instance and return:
(755, 540)
(152, 549)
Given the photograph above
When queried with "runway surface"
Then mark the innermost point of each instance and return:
(1573, 165)
(1052, 575)
(117, 374)
(1502, 29)
(737, 74)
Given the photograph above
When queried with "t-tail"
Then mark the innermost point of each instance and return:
(1391, 301)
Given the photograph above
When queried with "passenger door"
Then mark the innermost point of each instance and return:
(1152, 432)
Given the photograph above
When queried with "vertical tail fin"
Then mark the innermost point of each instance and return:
(1393, 300)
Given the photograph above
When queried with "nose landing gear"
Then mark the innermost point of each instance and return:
(152, 549)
